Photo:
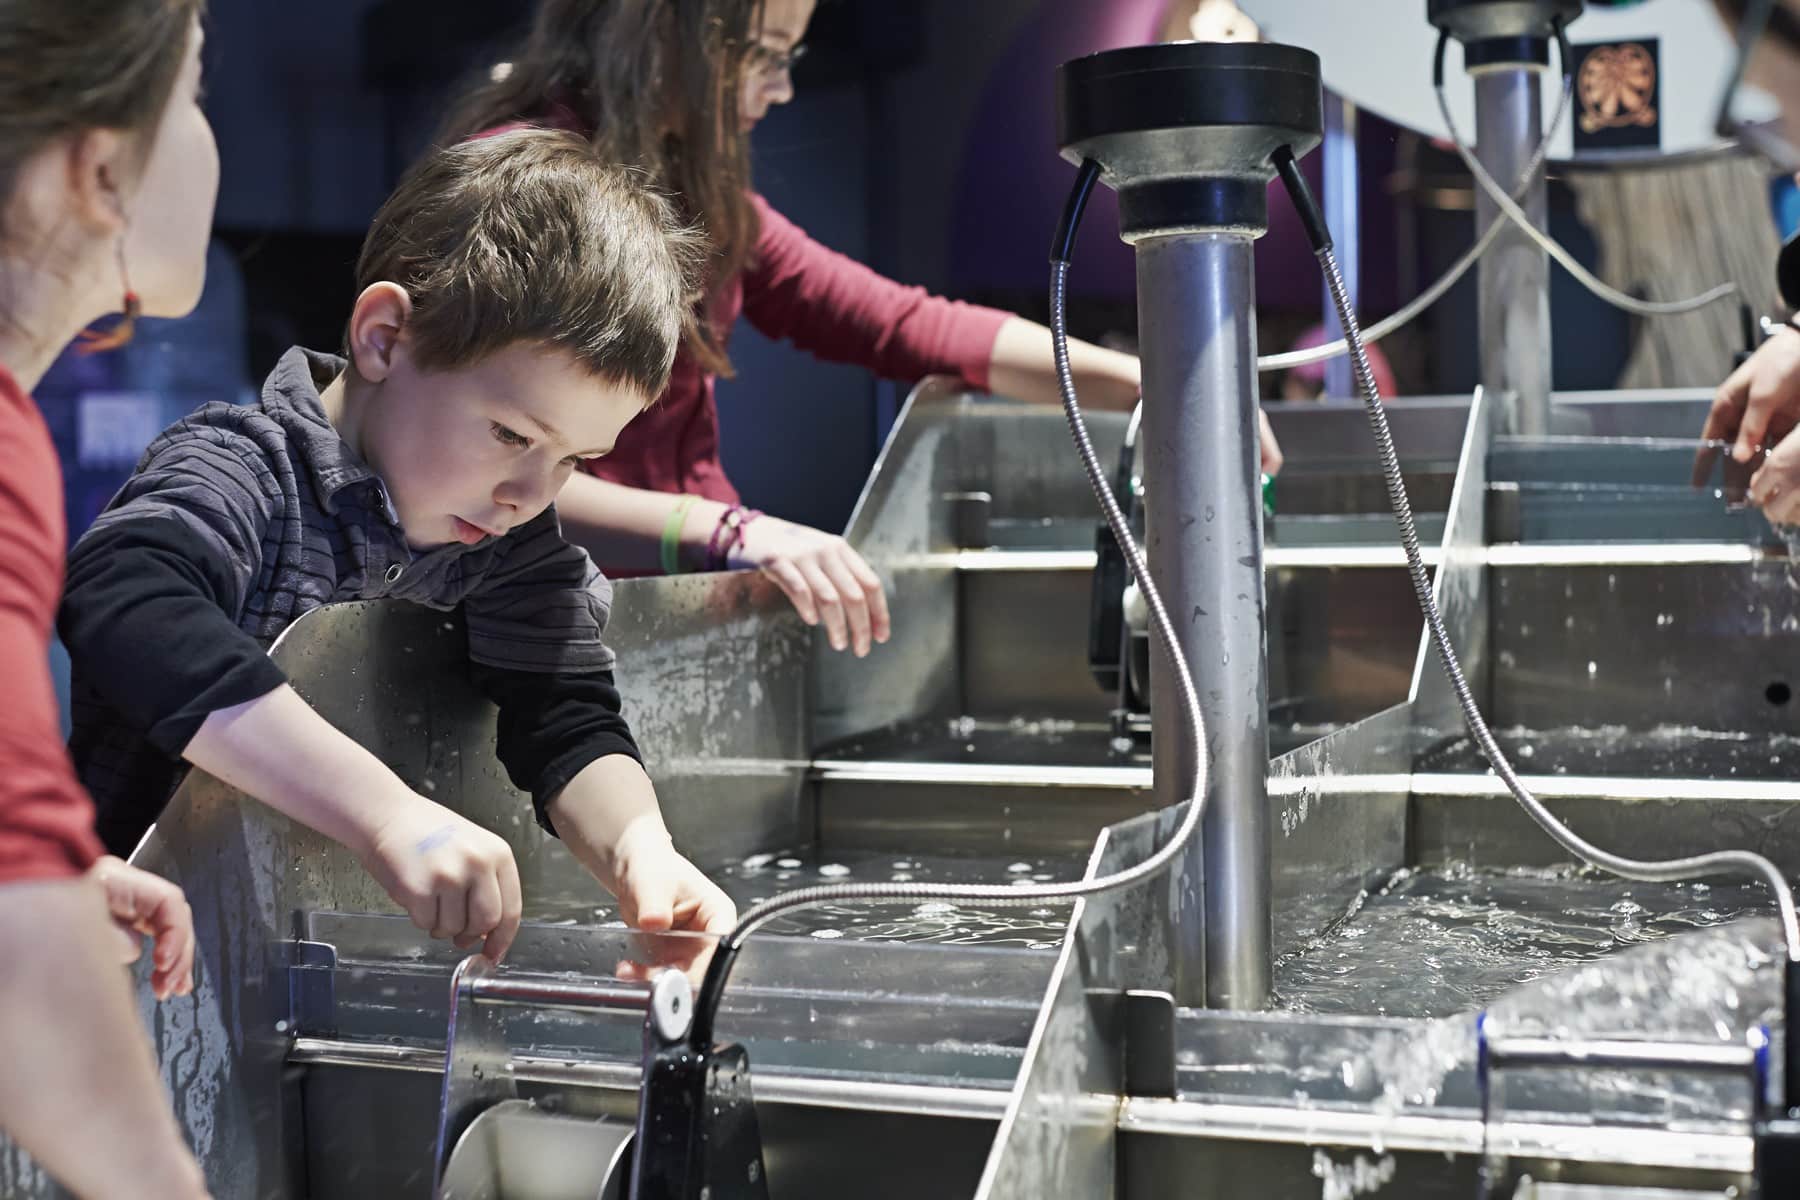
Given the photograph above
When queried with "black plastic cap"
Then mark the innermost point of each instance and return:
(1185, 130)
(1186, 84)
(1480, 20)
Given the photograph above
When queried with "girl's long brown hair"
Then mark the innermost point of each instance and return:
(655, 84)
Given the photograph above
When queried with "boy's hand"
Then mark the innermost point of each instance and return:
(454, 879)
(824, 578)
(145, 905)
(661, 892)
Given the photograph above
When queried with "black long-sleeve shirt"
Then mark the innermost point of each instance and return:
(242, 518)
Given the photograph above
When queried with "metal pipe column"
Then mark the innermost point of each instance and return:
(1197, 339)
(1514, 304)
(1185, 134)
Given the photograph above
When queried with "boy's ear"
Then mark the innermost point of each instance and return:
(376, 326)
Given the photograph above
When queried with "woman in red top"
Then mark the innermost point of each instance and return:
(107, 166)
(676, 88)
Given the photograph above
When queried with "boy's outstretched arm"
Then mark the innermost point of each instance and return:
(608, 817)
(454, 879)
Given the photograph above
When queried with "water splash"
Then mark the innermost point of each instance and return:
(1441, 941)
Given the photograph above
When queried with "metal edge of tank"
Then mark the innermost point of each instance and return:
(1460, 589)
(250, 873)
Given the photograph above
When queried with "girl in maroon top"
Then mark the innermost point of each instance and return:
(676, 88)
(107, 177)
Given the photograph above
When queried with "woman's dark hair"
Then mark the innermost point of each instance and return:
(85, 64)
(654, 85)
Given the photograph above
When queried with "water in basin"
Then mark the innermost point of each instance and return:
(1452, 939)
(746, 881)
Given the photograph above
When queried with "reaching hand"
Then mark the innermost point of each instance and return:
(145, 905)
(665, 896)
(455, 879)
(1775, 488)
(1759, 404)
(823, 577)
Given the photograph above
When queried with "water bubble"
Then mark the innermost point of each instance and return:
(757, 862)
(828, 934)
(1593, 668)
(834, 870)
(788, 864)
(1019, 868)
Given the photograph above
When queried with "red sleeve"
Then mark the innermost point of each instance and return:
(831, 305)
(46, 820)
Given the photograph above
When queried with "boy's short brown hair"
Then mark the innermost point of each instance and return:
(529, 237)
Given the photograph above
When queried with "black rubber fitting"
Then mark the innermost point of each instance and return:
(1507, 51)
(1305, 203)
(1062, 243)
(1170, 204)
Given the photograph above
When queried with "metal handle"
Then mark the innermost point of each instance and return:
(478, 1061)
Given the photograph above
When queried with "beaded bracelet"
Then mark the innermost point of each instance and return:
(728, 535)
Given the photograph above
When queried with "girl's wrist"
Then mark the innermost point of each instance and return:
(696, 531)
(723, 547)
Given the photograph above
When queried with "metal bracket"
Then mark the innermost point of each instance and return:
(1149, 1027)
(478, 1071)
(1505, 517)
(312, 989)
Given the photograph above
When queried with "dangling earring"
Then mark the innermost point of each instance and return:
(94, 341)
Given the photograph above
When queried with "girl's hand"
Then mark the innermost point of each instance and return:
(823, 577)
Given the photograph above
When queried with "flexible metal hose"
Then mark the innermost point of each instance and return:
(1549, 245)
(1724, 862)
(1193, 727)
(1402, 317)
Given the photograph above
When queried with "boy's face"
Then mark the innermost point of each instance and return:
(474, 452)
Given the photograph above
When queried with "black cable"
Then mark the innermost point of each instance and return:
(1062, 245)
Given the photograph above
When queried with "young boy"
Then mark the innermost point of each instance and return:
(520, 302)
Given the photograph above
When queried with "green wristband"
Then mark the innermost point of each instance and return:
(671, 538)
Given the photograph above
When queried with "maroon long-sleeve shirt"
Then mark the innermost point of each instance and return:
(46, 820)
(827, 304)
(824, 302)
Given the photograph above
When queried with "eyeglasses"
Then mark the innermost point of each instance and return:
(766, 60)
(1763, 138)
